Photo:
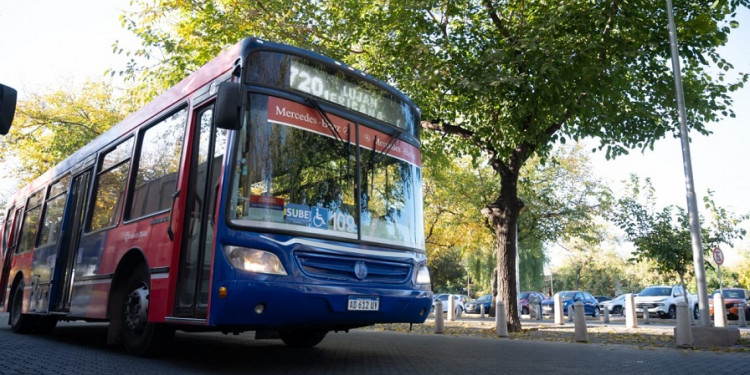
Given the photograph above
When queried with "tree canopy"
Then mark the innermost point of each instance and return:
(50, 126)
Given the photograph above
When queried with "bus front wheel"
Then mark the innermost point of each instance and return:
(139, 336)
(302, 338)
(19, 322)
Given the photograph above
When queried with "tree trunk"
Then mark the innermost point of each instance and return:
(502, 216)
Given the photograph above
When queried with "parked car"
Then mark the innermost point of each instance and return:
(602, 299)
(733, 298)
(661, 300)
(569, 297)
(529, 297)
(474, 306)
(458, 300)
(615, 306)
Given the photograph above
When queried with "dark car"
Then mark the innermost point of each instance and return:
(474, 306)
(529, 297)
(569, 297)
(603, 299)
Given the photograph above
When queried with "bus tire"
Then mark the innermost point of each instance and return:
(19, 322)
(302, 338)
(139, 336)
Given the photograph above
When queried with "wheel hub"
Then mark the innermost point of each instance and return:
(136, 309)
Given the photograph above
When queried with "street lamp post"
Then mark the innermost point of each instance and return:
(695, 230)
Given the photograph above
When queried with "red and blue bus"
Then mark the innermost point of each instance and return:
(274, 190)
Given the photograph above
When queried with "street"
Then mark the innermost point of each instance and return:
(79, 348)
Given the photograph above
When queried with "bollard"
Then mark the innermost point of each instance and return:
(582, 334)
(451, 308)
(570, 312)
(741, 315)
(539, 311)
(559, 320)
(532, 311)
(605, 315)
(501, 325)
(645, 315)
(439, 322)
(683, 333)
(481, 310)
(630, 318)
(720, 311)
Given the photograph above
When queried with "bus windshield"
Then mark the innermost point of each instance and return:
(293, 172)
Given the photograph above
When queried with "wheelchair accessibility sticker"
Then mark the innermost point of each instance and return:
(319, 218)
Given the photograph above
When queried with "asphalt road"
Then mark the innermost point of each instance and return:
(79, 348)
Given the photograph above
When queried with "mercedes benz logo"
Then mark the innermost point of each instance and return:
(360, 270)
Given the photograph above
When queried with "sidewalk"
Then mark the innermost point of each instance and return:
(659, 333)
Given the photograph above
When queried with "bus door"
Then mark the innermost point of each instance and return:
(64, 270)
(194, 273)
(9, 240)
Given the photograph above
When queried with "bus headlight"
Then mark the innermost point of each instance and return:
(423, 275)
(253, 260)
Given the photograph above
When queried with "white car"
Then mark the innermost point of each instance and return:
(615, 306)
(458, 300)
(661, 300)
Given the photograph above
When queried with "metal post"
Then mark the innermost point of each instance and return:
(741, 315)
(645, 315)
(501, 325)
(605, 315)
(439, 322)
(559, 317)
(451, 308)
(631, 320)
(581, 332)
(683, 333)
(570, 312)
(695, 229)
(720, 311)
(481, 310)
(539, 310)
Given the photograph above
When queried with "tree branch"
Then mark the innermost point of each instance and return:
(448, 129)
(496, 19)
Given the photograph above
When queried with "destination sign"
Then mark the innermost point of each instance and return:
(335, 88)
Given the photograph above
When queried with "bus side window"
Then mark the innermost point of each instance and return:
(157, 166)
(30, 224)
(53, 212)
(110, 186)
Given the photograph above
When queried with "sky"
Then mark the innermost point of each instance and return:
(51, 44)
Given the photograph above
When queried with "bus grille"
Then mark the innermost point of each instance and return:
(336, 267)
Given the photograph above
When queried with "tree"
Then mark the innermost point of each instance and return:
(456, 239)
(562, 200)
(49, 127)
(664, 236)
(504, 80)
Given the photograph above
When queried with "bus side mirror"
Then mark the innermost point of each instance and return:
(227, 108)
(7, 108)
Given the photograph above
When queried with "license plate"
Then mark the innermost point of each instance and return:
(363, 304)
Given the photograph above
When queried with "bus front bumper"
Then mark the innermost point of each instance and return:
(269, 305)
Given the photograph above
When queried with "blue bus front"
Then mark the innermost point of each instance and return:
(321, 216)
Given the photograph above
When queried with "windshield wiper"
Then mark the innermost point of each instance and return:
(343, 149)
(377, 156)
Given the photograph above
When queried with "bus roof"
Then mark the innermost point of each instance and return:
(216, 68)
